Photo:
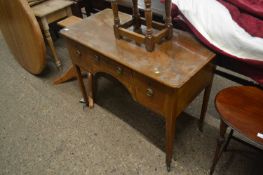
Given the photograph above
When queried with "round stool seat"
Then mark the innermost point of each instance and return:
(241, 108)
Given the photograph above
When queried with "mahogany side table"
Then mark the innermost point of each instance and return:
(241, 109)
(165, 80)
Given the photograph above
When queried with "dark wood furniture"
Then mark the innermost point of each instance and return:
(154, 32)
(221, 60)
(240, 109)
(165, 80)
(23, 35)
(78, 4)
(97, 5)
(239, 67)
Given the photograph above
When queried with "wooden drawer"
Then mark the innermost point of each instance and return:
(83, 57)
(116, 70)
(94, 62)
(150, 94)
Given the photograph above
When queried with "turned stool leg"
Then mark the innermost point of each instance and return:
(45, 26)
(168, 19)
(219, 148)
(136, 15)
(149, 40)
(114, 6)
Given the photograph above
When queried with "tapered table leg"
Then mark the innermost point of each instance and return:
(170, 133)
(81, 84)
(205, 105)
(90, 90)
(220, 146)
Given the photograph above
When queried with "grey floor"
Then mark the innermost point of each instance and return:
(45, 130)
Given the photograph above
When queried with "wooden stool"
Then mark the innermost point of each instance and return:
(241, 109)
(48, 12)
(149, 37)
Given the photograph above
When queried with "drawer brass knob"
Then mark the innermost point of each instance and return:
(78, 52)
(97, 58)
(119, 71)
(149, 92)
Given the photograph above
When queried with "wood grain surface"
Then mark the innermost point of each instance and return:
(23, 35)
(173, 62)
(165, 80)
(242, 109)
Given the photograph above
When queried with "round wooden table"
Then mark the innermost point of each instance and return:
(23, 35)
(241, 109)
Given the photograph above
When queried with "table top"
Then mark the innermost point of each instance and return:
(50, 6)
(172, 63)
(23, 35)
(242, 109)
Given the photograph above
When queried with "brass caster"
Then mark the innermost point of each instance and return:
(84, 104)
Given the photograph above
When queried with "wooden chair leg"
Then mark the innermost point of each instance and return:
(219, 148)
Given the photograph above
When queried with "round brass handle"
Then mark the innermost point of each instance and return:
(149, 92)
(78, 52)
(119, 71)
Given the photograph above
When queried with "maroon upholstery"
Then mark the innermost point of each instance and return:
(251, 24)
(254, 7)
